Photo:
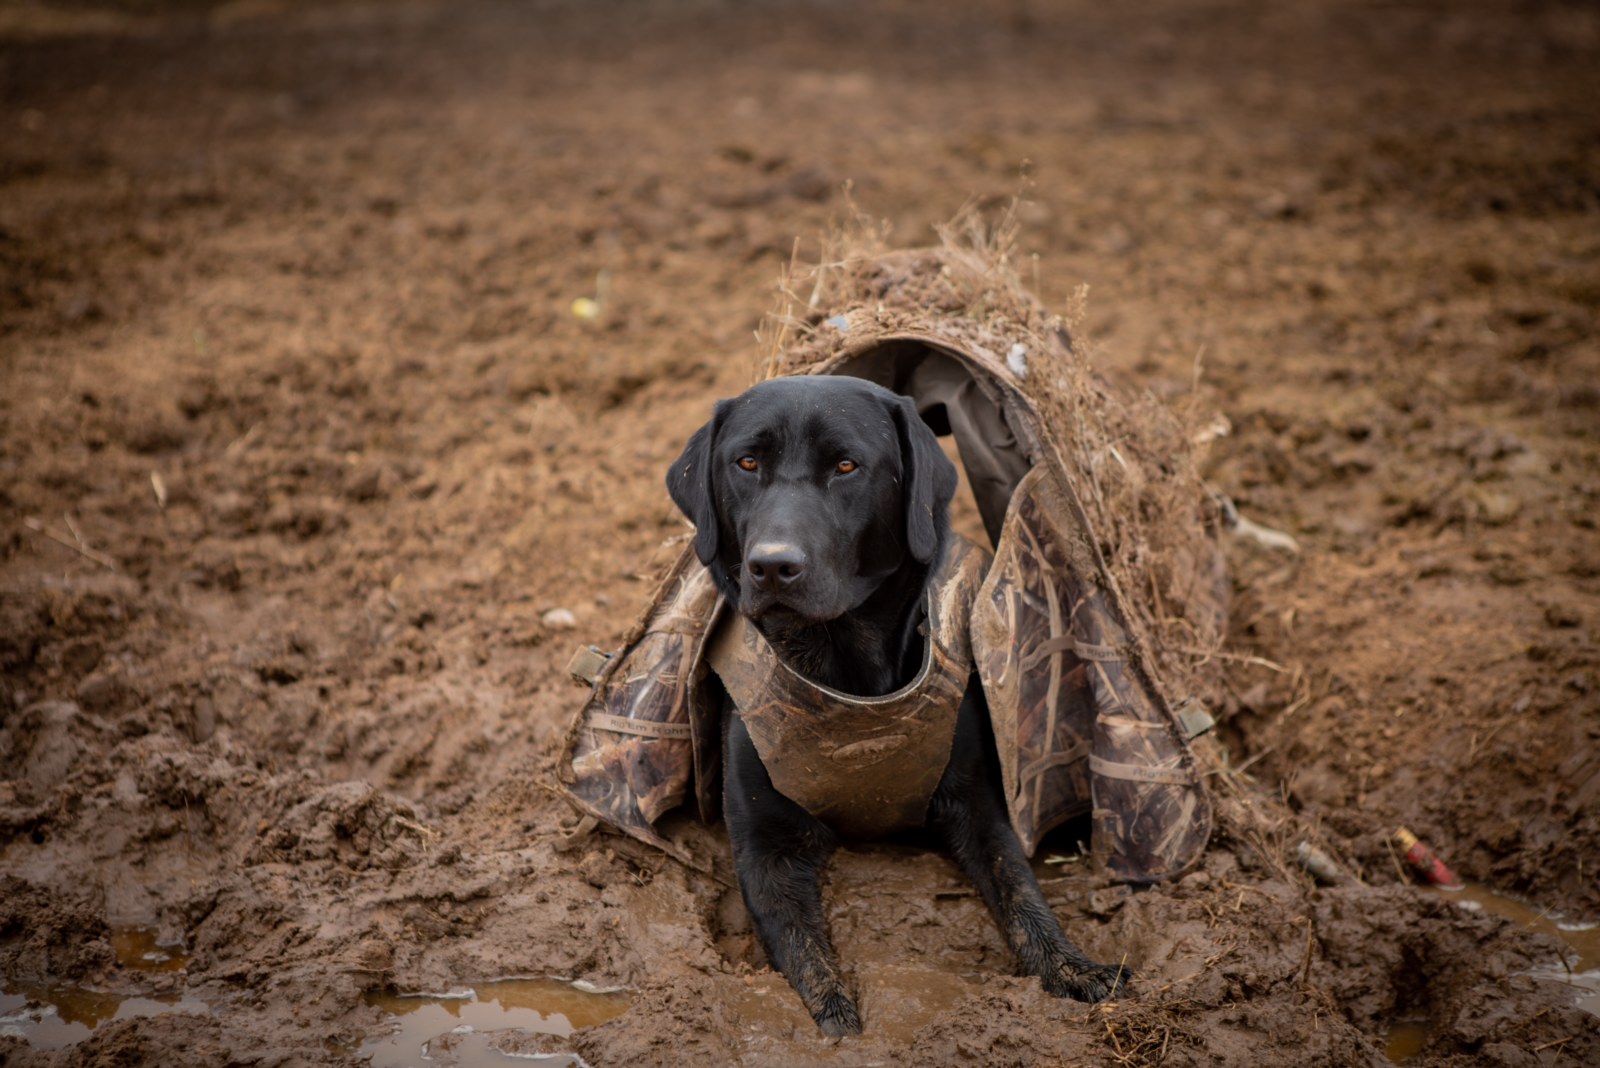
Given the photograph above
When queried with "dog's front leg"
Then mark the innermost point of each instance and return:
(968, 812)
(779, 850)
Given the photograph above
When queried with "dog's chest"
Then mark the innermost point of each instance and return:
(866, 766)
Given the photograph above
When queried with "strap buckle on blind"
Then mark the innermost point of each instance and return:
(587, 663)
(1194, 719)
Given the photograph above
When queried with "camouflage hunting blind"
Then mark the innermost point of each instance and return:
(1098, 612)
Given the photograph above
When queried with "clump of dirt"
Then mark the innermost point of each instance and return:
(313, 473)
(62, 936)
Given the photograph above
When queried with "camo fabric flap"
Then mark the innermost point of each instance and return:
(1039, 695)
(633, 746)
(1076, 727)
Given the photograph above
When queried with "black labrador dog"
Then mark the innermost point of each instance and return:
(821, 507)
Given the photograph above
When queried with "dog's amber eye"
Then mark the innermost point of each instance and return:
(845, 467)
(748, 463)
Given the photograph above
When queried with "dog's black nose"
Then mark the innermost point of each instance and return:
(773, 566)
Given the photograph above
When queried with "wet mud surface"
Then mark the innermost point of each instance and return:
(311, 480)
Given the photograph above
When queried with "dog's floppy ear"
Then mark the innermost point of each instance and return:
(928, 482)
(689, 483)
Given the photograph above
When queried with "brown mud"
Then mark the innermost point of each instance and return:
(301, 444)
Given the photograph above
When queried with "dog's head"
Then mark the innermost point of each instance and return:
(808, 492)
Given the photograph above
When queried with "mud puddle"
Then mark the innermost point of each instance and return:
(141, 949)
(1578, 967)
(1581, 966)
(1407, 1038)
(56, 1017)
(50, 1016)
(458, 1028)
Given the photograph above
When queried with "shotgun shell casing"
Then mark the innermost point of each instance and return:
(1322, 867)
(1425, 863)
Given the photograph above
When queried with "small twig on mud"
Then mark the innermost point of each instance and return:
(1305, 965)
(1242, 887)
(1205, 965)
(1399, 868)
(1472, 750)
(1557, 1042)
(1240, 770)
(1112, 1031)
(1298, 704)
(1265, 536)
(426, 833)
(1155, 596)
(1191, 977)
(78, 547)
(1300, 682)
(1238, 658)
(1531, 1019)
(242, 440)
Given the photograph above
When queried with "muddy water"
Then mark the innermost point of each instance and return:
(140, 948)
(421, 1024)
(1579, 966)
(1407, 1038)
(51, 1016)
(57, 1017)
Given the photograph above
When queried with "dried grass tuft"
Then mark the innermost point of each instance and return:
(1133, 460)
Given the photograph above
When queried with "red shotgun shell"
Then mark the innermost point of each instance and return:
(1425, 863)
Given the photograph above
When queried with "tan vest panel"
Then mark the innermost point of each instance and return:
(866, 766)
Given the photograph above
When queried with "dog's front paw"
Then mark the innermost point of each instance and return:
(838, 1016)
(1086, 981)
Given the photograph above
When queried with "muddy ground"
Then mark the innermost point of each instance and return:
(300, 441)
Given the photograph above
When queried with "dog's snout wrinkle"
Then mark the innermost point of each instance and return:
(775, 565)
